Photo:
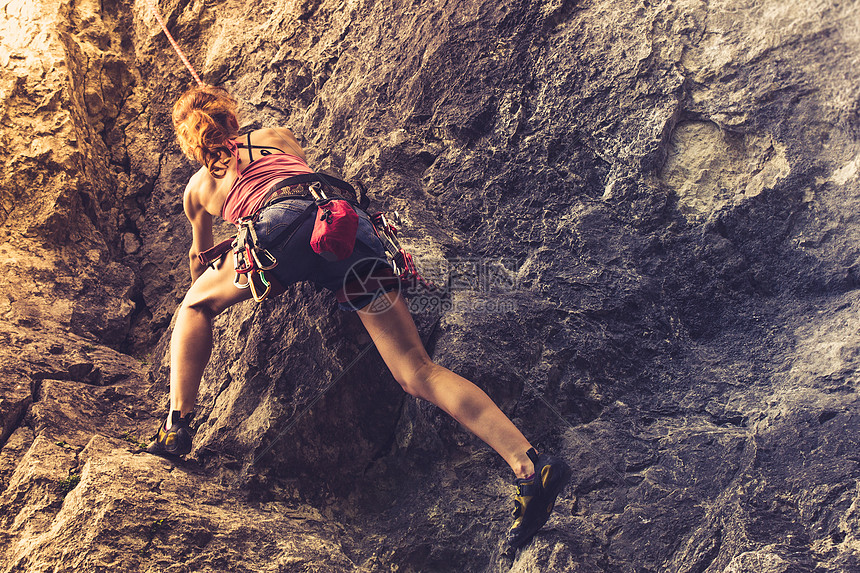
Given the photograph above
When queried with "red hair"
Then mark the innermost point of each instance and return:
(204, 118)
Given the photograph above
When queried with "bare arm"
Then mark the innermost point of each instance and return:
(201, 227)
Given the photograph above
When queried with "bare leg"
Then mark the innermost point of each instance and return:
(394, 333)
(190, 348)
(191, 341)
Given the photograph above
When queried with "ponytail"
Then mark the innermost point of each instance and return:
(204, 119)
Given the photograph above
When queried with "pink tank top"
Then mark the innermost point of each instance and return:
(250, 187)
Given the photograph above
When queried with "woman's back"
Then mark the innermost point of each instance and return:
(227, 186)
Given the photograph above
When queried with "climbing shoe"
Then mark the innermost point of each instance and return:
(535, 497)
(177, 440)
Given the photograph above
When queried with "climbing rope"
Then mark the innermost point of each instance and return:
(167, 33)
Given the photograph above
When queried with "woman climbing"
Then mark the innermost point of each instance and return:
(236, 176)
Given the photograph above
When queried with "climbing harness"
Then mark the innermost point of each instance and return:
(333, 238)
(401, 261)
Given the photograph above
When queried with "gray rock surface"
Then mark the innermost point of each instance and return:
(647, 213)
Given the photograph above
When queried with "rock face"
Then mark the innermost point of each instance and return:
(645, 212)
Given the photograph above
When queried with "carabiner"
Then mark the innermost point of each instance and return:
(242, 262)
(255, 288)
(317, 192)
(264, 259)
(238, 284)
(241, 267)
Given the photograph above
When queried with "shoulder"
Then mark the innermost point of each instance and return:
(284, 137)
(276, 132)
(192, 198)
(285, 131)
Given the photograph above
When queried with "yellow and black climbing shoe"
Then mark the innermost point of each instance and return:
(535, 497)
(177, 440)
